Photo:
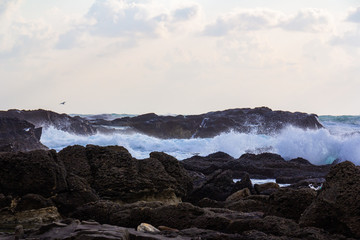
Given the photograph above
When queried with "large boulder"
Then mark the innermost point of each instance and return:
(38, 179)
(38, 172)
(337, 207)
(290, 203)
(218, 186)
(115, 175)
(19, 135)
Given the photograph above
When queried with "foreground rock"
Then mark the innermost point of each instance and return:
(114, 174)
(262, 120)
(19, 135)
(337, 208)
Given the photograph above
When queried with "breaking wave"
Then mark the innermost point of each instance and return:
(318, 146)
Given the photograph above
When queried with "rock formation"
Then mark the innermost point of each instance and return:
(258, 120)
(18, 135)
(44, 118)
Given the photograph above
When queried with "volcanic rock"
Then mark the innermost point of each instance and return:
(44, 118)
(38, 172)
(260, 166)
(261, 120)
(19, 135)
(290, 203)
(115, 175)
(337, 207)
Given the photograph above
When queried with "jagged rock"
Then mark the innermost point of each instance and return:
(19, 135)
(44, 118)
(114, 174)
(32, 201)
(290, 203)
(236, 196)
(39, 178)
(38, 172)
(337, 207)
(266, 188)
(180, 216)
(218, 186)
(214, 123)
(31, 218)
(253, 203)
(78, 193)
(260, 166)
(270, 225)
(244, 183)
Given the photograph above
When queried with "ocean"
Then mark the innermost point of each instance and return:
(339, 140)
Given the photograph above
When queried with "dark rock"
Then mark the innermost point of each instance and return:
(239, 195)
(270, 225)
(5, 201)
(211, 124)
(114, 174)
(337, 207)
(210, 203)
(44, 118)
(19, 135)
(38, 172)
(266, 188)
(32, 201)
(78, 193)
(179, 216)
(290, 203)
(244, 183)
(261, 166)
(218, 186)
(253, 203)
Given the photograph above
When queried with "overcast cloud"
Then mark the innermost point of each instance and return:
(179, 56)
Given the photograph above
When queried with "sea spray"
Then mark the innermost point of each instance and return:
(317, 146)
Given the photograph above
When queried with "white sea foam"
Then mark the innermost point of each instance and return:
(317, 146)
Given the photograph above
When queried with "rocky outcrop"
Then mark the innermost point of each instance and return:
(259, 120)
(44, 118)
(114, 174)
(19, 135)
(260, 166)
(38, 179)
(337, 207)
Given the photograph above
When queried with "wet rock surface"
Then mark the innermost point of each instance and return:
(18, 135)
(211, 124)
(108, 194)
(337, 207)
(258, 166)
(45, 118)
(114, 174)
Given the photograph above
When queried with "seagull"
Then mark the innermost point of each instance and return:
(63, 103)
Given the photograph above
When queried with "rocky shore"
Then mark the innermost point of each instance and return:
(97, 192)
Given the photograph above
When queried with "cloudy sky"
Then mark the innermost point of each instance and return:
(180, 56)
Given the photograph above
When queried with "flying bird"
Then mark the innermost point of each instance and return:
(63, 103)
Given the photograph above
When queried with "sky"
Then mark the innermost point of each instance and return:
(180, 56)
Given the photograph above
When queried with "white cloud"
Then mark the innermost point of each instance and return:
(186, 13)
(349, 38)
(247, 20)
(354, 15)
(308, 20)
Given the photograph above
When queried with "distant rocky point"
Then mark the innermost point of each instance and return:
(261, 120)
(258, 120)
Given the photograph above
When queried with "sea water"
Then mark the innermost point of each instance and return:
(339, 140)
